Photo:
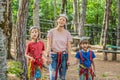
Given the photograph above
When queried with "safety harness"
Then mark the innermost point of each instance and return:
(59, 60)
(32, 64)
(85, 69)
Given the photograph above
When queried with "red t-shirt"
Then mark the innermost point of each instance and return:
(34, 49)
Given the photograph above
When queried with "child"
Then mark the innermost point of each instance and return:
(33, 53)
(85, 58)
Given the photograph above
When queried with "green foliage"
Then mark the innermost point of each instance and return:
(14, 68)
(95, 11)
(104, 75)
(94, 15)
(14, 4)
(114, 15)
(118, 77)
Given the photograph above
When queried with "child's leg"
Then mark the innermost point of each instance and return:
(63, 67)
(90, 76)
(32, 78)
(82, 77)
(38, 79)
(52, 66)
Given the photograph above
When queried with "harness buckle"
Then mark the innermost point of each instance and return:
(82, 66)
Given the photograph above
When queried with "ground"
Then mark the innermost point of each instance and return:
(105, 70)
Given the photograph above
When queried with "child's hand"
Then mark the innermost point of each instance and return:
(49, 61)
(32, 58)
(94, 74)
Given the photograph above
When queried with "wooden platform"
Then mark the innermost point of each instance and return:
(109, 51)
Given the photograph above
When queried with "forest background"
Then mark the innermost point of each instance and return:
(97, 19)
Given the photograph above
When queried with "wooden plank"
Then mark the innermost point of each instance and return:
(78, 37)
(115, 47)
(109, 51)
(74, 34)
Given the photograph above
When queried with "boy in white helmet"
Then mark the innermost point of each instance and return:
(85, 58)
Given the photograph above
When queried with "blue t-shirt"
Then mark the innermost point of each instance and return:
(86, 56)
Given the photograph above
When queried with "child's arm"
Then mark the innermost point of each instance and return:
(44, 56)
(93, 67)
(29, 57)
(27, 53)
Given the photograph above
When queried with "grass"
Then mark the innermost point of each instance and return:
(104, 75)
(118, 77)
(14, 67)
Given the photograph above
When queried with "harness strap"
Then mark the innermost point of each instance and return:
(87, 73)
(86, 69)
(29, 69)
(91, 56)
(58, 63)
(81, 57)
(39, 62)
(32, 64)
(32, 68)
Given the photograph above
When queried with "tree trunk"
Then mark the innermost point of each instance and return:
(63, 6)
(76, 16)
(3, 51)
(54, 12)
(3, 55)
(9, 31)
(82, 18)
(103, 27)
(118, 30)
(21, 34)
(106, 24)
(36, 13)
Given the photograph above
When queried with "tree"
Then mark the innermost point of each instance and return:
(54, 10)
(9, 29)
(75, 16)
(36, 13)
(21, 24)
(3, 55)
(63, 6)
(3, 51)
(82, 18)
(105, 25)
(118, 30)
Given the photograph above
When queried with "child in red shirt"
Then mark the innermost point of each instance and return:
(33, 53)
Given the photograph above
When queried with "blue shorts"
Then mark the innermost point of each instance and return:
(37, 73)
